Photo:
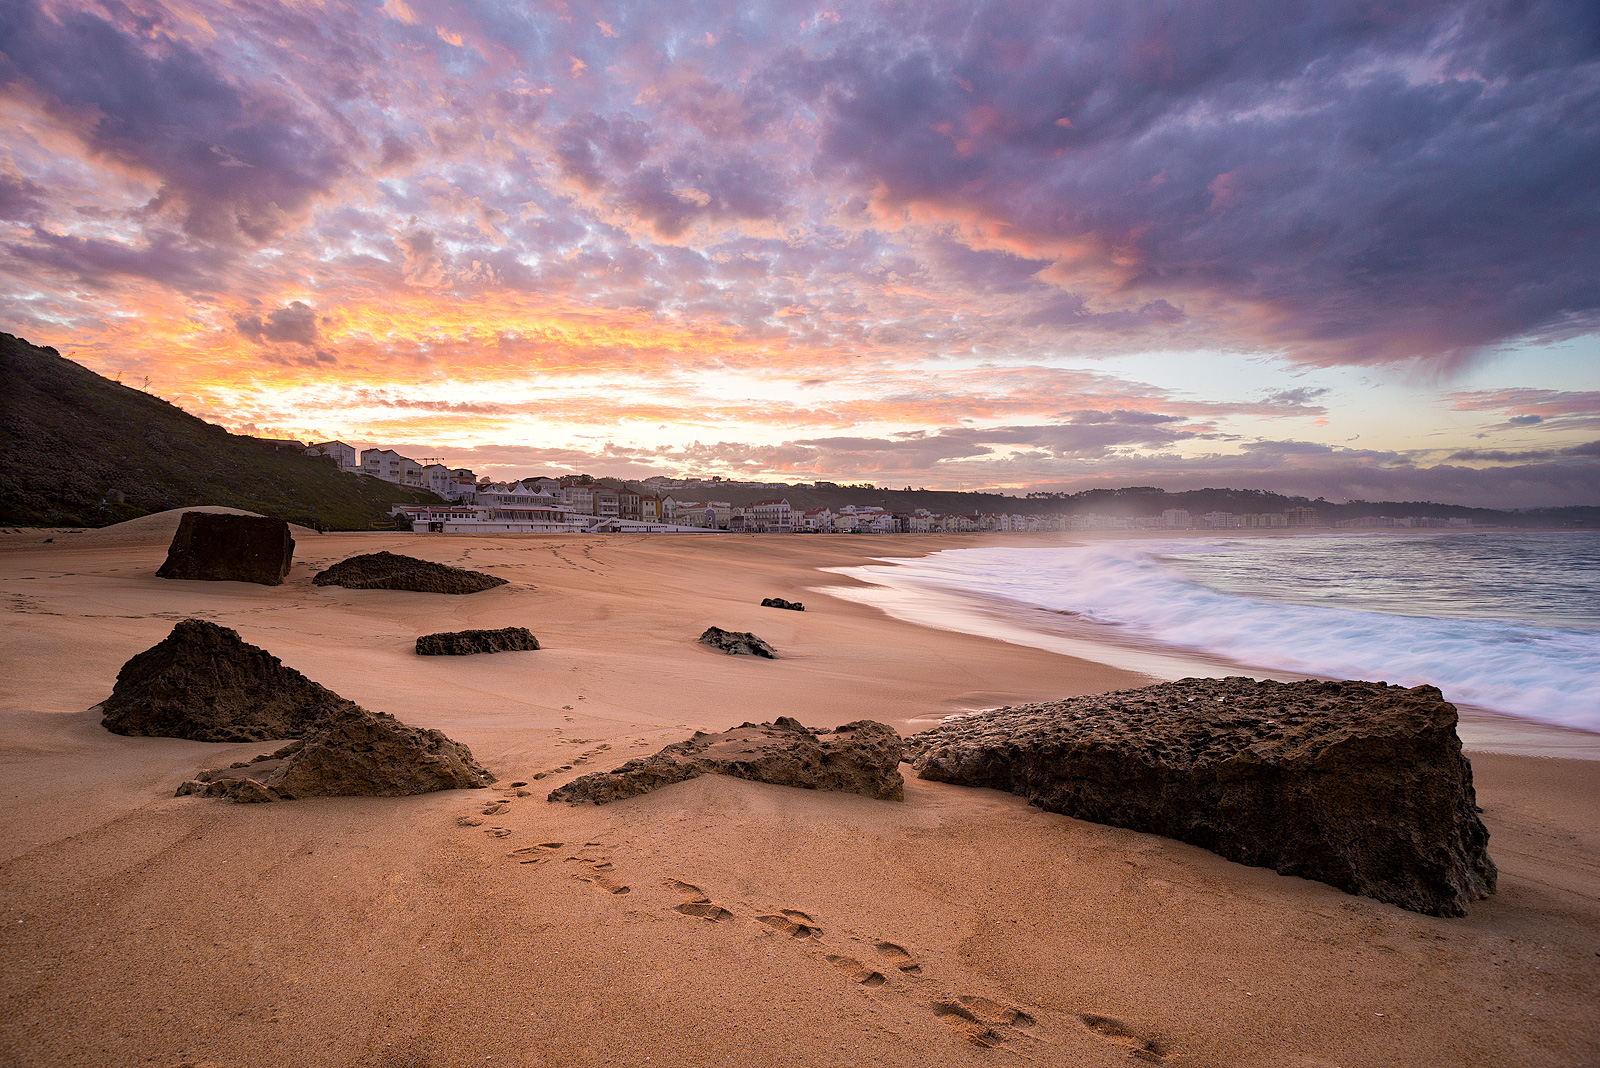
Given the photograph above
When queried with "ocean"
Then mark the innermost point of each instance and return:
(1506, 622)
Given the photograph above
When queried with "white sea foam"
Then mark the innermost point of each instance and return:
(1512, 666)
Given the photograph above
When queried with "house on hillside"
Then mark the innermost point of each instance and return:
(344, 455)
(392, 467)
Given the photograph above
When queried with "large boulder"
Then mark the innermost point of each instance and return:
(390, 571)
(467, 642)
(858, 758)
(353, 753)
(205, 683)
(222, 547)
(737, 643)
(1357, 784)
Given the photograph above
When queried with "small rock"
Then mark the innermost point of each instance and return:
(467, 642)
(389, 571)
(779, 602)
(355, 753)
(858, 758)
(737, 642)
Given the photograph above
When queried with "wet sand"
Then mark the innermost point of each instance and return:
(494, 928)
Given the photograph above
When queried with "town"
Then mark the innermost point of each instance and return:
(582, 504)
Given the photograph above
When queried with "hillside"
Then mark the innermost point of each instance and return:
(69, 436)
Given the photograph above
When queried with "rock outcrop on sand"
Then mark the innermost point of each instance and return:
(468, 642)
(390, 571)
(1357, 784)
(857, 758)
(205, 683)
(737, 643)
(351, 753)
(221, 547)
(779, 602)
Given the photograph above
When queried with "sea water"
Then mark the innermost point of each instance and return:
(1509, 622)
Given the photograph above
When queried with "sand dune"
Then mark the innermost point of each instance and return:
(715, 921)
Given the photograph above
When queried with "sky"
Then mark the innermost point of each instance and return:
(1349, 250)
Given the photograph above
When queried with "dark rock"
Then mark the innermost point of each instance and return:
(858, 758)
(352, 753)
(779, 602)
(467, 642)
(389, 571)
(205, 683)
(1357, 784)
(219, 547)
(735, 642)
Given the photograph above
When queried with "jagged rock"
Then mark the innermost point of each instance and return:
(205, 683)
(390, 571)
(466, 642)
(221, 548)
(736, 642)
(858, 758)
(1357, 784)
(353, 753)
(779, 602)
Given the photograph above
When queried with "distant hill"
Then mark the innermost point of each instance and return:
(1128, 502)
(69, 436)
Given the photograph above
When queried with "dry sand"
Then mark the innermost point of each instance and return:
(138, 928)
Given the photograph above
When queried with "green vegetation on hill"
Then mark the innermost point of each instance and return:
(68, 437)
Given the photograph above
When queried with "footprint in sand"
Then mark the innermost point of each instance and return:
(698, 904)
(597, 872)
(493, 809)
(497, 832)
(468, 821)
(1137, 1045)
(793, 923)
(899, 958)
(983, 1022)
(536, 854)
(858, 972)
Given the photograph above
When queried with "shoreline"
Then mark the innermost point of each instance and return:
(1481, 729)
(445, 931)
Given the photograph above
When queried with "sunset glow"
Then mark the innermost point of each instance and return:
(1324, 249)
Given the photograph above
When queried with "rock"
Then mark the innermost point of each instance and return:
(1357, 784)
(389, 571)
(734, 642)
(858, 758)
(779, 602)
(466, 642)
(352, 753)
(205, 683)
(221, 548)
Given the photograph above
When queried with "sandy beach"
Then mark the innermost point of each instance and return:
(141, 928)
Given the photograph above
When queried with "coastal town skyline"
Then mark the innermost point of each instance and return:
(1346, 253)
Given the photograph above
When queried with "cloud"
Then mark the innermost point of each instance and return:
(296, 324)
(1552, 410)
(1357, 184)
(239, 163)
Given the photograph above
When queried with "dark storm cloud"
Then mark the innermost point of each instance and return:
(1411, 179)
(239, 162)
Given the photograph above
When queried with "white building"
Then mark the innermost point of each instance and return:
(772, 516)
(344, 455)
(1176, 519)
(392, 467)
(453, 484)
